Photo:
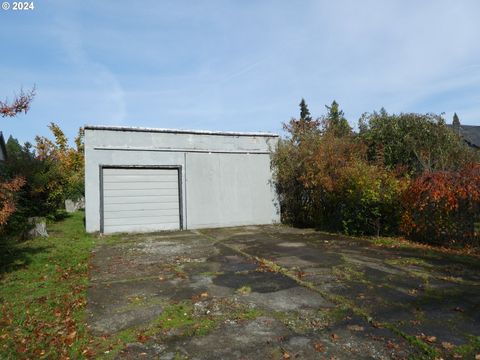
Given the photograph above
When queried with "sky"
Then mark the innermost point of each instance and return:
(240, 65)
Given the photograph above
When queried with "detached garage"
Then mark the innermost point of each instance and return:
(140, 180)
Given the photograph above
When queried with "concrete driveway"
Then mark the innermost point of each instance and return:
(274, 292)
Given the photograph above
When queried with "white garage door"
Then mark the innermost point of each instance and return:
(138, 200)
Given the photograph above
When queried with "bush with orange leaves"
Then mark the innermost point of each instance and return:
(444, 207)
(7, 198)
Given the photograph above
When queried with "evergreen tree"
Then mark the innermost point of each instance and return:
(302, 127)
(335, 120)
(304, 112)
(456, 122)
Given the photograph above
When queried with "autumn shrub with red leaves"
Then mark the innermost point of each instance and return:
(7, 198)
(444, 207)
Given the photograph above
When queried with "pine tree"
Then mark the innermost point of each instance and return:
(336, 121)
(456, 122)
(304, 112)
(302, 127)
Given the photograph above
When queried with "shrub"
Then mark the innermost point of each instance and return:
(370, 200)
(53, 172)
(288, 165)
(351, 195)
(443, 207)
(415, 142)
(8, 203)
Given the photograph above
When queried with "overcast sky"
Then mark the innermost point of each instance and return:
(237, 65)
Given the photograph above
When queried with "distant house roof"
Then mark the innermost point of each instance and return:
(3, 149)
(471, 134)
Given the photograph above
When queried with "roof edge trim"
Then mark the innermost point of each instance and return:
(177, 131)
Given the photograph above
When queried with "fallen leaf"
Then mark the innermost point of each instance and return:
(426, 338)
(447, 346)
(334, 337)
(319, 347)
(431, 339)
(300, 274)
(204, 294)
(391, 345)
(41, 299)
(142, 337)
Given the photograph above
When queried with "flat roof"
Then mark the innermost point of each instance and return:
(177, 131)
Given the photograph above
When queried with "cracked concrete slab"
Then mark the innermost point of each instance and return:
(304, 300)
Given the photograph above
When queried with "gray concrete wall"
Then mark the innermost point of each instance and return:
(226, 179)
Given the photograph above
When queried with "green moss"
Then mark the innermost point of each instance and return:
(244, 290)
(428, 352)
(180, 319)
(469, 350)
(336, 314)
(348, 272)
(247, 314)
(386, 241)
(438, 295)
(402, 261)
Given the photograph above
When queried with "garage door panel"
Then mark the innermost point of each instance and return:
(130, 214)
(132, 185)
(139, 178)
(142, 228)
(141, 192)
(141, 206)
(140, 200)
(141, 220)
(164, 199)
(139, 171)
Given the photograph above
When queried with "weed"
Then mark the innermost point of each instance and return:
(244, 290)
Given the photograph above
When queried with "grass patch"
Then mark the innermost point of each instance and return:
(428, 352)
(43, 284)
(347, 272)
(43, 294)
(405, 261)
(181, 320)
(469, 350)
(388, 242)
